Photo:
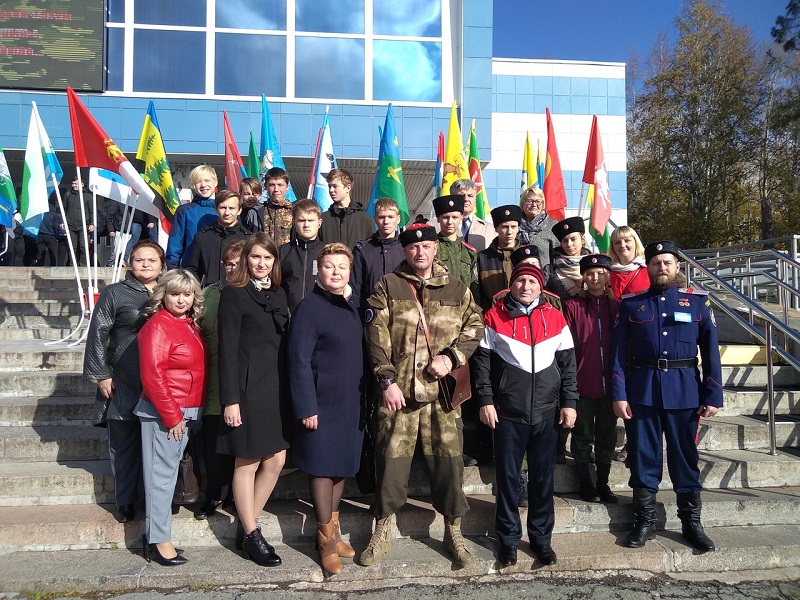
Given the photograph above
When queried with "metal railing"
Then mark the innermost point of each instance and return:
(703, 277)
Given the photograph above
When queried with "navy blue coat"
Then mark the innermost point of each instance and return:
(666, 325)
(326, 379)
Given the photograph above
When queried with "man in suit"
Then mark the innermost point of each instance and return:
(476, 232)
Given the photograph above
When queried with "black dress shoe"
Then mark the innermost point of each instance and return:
(469, 461)
(507, 556)
(126, 513)
(545, 554)
(151, 552)
(209, 508)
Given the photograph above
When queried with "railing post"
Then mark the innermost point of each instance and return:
(773, 450)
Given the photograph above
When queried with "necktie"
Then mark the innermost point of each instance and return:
(465, 228)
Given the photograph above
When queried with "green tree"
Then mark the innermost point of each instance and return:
(787, 27)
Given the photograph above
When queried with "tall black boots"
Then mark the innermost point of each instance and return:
(586, 490)
(602, 488)
(644, 513)
(689, 507)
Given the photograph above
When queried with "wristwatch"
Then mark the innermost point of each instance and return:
(386, 383)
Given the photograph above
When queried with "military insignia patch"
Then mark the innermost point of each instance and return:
(683, 302)
(708, 302)
(369, 315)
(641, 308)
(419, 234)
(713, 320)
(508, 212)
(659, 247)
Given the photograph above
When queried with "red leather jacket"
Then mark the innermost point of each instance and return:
(172, 359)
(630, 282)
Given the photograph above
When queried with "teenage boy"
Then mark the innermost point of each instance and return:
(205, 260)
(276, 213)
(299, 256)
(458, 256)
(250, 192)
(345, 221)
(192, 217)
(379, 254)
(494, 263)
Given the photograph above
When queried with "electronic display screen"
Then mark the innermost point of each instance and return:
(51, 44)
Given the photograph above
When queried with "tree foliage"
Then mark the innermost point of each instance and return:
(787, 27)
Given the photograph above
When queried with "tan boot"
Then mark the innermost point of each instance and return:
(343, 549)
(454, 542)
(326, 542)
(380, 543)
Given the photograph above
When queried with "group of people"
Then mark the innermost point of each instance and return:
(281, 327)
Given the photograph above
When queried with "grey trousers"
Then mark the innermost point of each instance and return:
(161, 458)
(125, 451)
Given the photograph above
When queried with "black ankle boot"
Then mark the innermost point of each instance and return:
(644, 512)
(258, 550)
(605, 493)
(689, 508)
(586, 491)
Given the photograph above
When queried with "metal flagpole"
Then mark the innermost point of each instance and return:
(125, 237)
(580, 200)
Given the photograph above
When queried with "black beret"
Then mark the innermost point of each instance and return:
(593, 261)
(567, 226)
(507, 212)
(447, 204)
(524, 252)
(662, 247)
(418, 232)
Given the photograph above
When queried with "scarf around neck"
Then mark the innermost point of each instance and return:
(261, 284)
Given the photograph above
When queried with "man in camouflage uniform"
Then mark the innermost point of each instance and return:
(407, 373)
(277, 211)
(458, 256)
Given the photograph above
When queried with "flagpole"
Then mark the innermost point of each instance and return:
(119, 257)
(580, 200)
(85, 232)
(74, 267)
(94, 237)
(312, 179)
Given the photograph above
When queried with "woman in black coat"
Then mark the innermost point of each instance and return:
(253, 318)
(112, 361)
(325, 374)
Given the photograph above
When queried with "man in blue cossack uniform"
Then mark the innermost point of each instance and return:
(657, 389)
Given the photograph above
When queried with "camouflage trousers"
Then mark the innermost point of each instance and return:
(440, 436)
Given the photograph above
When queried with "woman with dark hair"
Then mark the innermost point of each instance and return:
(325, 374)
(253, 318)
(112, 361)
(172, 356)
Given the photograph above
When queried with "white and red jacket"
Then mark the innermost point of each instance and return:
(525, 364)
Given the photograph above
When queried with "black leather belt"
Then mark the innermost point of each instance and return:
(662, 364)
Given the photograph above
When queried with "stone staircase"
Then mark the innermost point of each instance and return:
(57, 493)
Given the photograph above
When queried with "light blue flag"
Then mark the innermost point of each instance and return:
(270, 152)
(8, 197)
(325, 163)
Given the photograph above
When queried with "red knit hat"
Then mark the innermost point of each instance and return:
(527, 269)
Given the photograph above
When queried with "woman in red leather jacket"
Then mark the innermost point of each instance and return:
(172, 357)
(628, 271)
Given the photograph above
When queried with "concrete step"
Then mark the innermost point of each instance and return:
(43, 333)
(56, 483)
(93, 526)
(754, 401)
(724, 433)
(52, 410)
(744, 354)
(16, 355)
(52, 443)
(51, 273)
(41, 308)
(22, 322)
(19, 384)
(756, 377)
(19, 295)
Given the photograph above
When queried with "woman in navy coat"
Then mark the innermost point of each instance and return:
(325, 377)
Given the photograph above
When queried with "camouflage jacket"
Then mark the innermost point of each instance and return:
(493, 268)
(396, 340)
(278, 221)
(459, 258)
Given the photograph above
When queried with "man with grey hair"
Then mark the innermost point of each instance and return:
(476, 232)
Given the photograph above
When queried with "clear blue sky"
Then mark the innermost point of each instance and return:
(605, 30)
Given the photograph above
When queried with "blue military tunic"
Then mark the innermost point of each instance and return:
(668, 325)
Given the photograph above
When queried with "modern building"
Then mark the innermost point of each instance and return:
(196, 58)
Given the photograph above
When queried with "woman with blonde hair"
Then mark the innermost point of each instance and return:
(172, 357)
(253, 319)
(628, 269)
(535, 229)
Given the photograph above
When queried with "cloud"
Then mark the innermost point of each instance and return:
(410, 71)
(417, 18)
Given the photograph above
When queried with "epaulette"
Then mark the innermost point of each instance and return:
(693, 291)
(468, 246)
(546, 293)
(633, 294)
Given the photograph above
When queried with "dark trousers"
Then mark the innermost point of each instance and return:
(78, 246)
(596, 424)
(219, 467)
(125, 451)
(511, 442)
(646, 432)
(52, 251)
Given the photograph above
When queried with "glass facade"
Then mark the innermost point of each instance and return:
(360, 50)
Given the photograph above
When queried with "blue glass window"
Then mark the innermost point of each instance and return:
(115, 11)
(410, 71)
(170, 12)
(329, 16)
(116, 59)
(169, 61)
(413, 18)
(250, 65)
(251, 14)
(329, 68)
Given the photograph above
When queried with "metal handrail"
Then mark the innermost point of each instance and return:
(792, 241)
(766, 337)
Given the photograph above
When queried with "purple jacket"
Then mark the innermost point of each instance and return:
(591, 321)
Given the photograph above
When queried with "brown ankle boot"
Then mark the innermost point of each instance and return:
(326, 542)
(342, 549)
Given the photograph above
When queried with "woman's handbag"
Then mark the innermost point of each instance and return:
(187, 489)
(455, 387)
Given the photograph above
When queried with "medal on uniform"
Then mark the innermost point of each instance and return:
(641, 308)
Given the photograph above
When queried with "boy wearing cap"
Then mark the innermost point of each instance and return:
(419, 295)
(494, 263)
(590, 316)
(566, 259)
(458, 256)
(657, 389)
(525, 385)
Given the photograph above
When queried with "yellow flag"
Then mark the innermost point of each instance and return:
(529, 177)
(455, 163)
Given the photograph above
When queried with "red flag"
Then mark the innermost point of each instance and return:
(555, 196)
(234, 167)
(596, 174)
(94, 148)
